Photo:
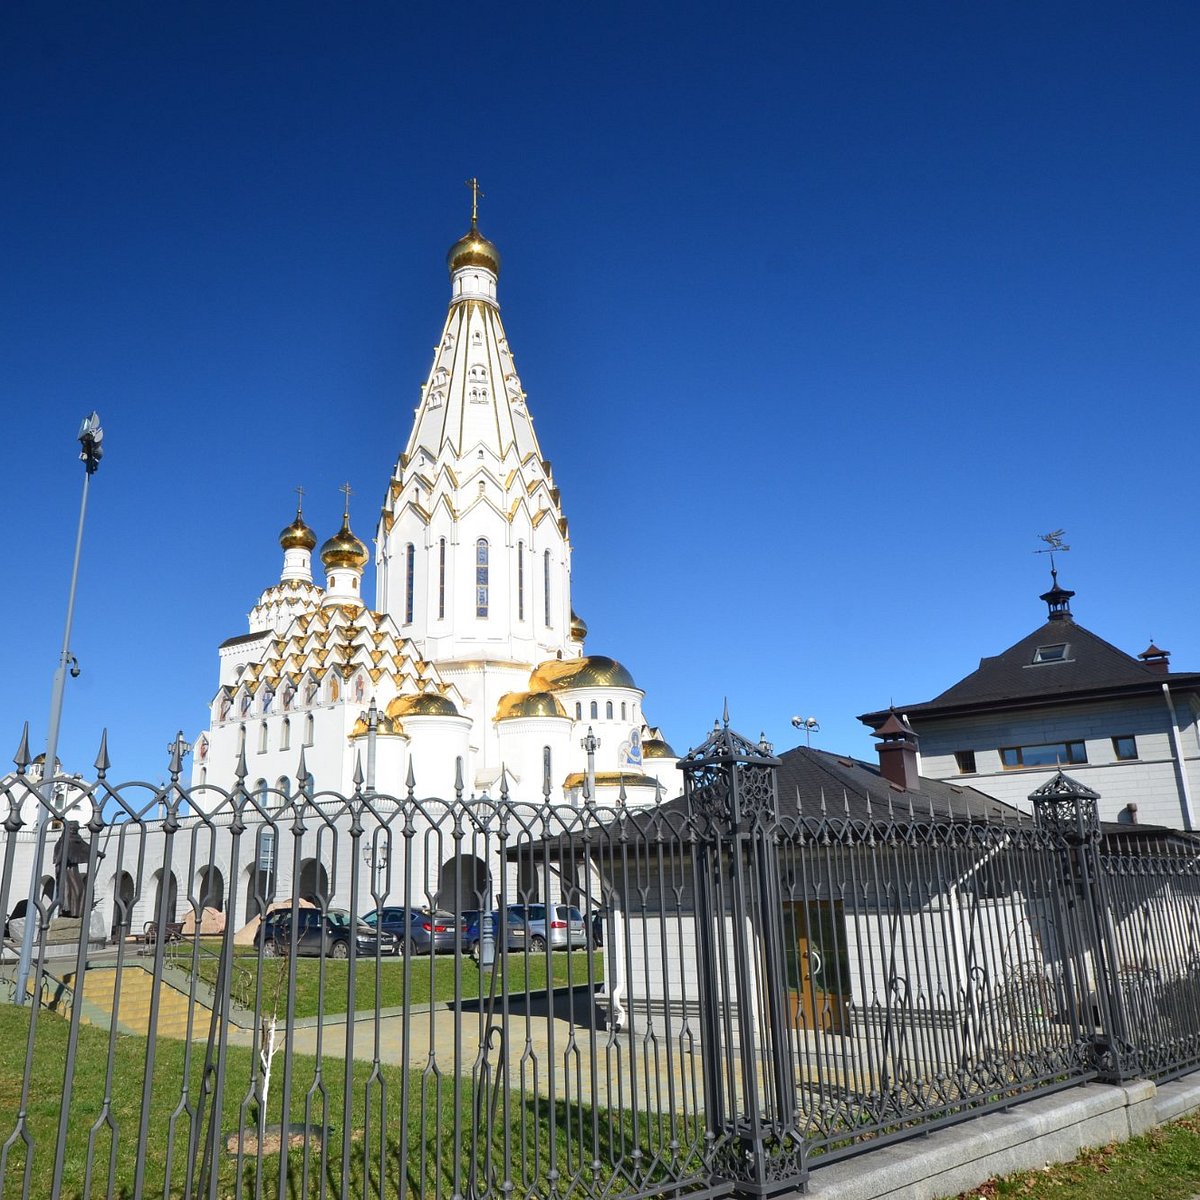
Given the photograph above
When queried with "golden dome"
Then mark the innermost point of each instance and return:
(612, 779)
(564, 674)
(424, 705)
(528, 704)
(578, 627)
(298, 536)
(344, 549)
(473, 250)
(387, 727)
(657, 748)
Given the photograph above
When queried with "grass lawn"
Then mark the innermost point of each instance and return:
(401, 1136)
(424, 980)
(1162, 1165)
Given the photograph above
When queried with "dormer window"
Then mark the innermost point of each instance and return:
(1051, 654)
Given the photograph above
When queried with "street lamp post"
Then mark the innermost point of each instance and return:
(90, 438)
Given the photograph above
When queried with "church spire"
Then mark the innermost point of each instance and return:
(297, 542)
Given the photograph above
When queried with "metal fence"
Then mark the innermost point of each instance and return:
(249, 993)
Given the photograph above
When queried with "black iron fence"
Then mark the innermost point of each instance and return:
(259, 994)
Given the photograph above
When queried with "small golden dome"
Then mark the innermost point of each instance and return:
(344, 549)
(578, 627)
(564, 674)
(298, 536)
(528, 704)
(657, 748)
(473, 250)
(424, 705)
(387, 727)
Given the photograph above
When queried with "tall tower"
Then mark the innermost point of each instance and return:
(473, 558)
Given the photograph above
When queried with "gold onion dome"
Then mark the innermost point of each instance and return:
(424, 705)
(387, 727)
(344, 549)
(578, 627)
(473, 250)
(298, 536)
(657, 748)
(591, 671)
(528, 704)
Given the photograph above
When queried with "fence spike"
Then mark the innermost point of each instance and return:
(22, 757)
(358, 775)
(845, 804)
(621, 796)
(302, 775)
(725, 714)
(102, 762)
(410, 782)
(824, 811)
(241, 770)
(799, 802)
(503, 783)
(458, 779)
(175, 762)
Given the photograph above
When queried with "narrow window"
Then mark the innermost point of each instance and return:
(284, 785)
(595, 710)
(481, 578)
(410, 565)
(441, 579)
(520, 581)
(578, 711)
(546, 583)
(309, 724)
(1125, 748)
(622, 710)
(966, 761)
(608, 710)
(262, 737)
(285, 734)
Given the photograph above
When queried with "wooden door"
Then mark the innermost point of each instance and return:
(818, 966)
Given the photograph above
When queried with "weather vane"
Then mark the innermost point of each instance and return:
(1054, 542)
(473, 184)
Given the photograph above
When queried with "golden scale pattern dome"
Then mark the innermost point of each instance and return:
(528, 704)
(298, 536)
(473, 250)
(426, 704)
(564, 674)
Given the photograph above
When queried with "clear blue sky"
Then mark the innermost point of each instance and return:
(824, 312)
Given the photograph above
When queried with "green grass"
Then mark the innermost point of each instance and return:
(424, 980)
(406, 1137)
(1162, 1165)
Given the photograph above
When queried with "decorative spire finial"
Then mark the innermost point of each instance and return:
(347, 490)
(473, 184)
(299, 501)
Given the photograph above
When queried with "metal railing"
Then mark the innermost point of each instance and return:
(705, 997)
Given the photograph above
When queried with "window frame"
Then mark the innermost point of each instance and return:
(1125, 737)
(1021, 765)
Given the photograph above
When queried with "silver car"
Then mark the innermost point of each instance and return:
(561, 926)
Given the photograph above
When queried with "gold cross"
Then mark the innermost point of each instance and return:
(346, 488)
(299, 501)
(473, 184)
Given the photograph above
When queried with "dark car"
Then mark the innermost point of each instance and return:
(421, 930)
(316, 933)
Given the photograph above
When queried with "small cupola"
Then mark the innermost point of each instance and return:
(1158, 661)
(297, 542)
(1058, 599)
(898, 752)
(343, 558)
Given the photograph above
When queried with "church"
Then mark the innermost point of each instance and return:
(470, 669)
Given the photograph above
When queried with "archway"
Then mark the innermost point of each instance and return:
(210, 888)
(314, 882)
(464, 884)
(122, 918)
(172, 893)
(259, 884)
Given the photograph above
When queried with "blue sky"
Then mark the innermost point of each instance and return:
(824, 312)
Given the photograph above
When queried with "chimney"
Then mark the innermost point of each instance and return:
(898, 753)
(1158, 661)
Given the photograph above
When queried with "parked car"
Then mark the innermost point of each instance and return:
(561, 926)
(421, 930)
(317, 934)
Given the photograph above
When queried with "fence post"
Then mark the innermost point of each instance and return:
(730, 787)
(1070, 810)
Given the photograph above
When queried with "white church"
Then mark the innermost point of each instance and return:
(472, 654)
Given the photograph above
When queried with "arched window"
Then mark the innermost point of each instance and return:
(608, 710)
(520, 581)
(260, 791)
(578, 711)
(546, 583)
(441, 579)
(284, 785)
(309, 729)
(262, 737)
(595, 710)
(481, 578)
(285, 734)
(410, 566)
(622, 710)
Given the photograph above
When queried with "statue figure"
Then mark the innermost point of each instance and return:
(72, 850)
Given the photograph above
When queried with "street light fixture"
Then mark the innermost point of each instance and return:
(90, 437)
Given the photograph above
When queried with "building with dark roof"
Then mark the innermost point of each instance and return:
(1126, 726)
